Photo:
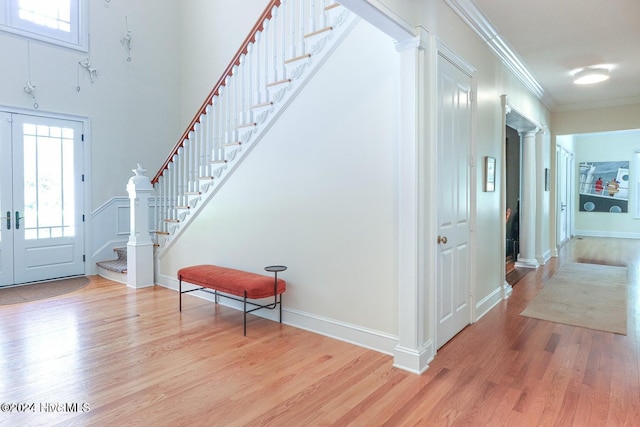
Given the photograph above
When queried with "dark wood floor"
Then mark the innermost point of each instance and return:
(133, 359)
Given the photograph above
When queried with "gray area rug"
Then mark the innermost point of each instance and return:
(41, 290)
(587, 295)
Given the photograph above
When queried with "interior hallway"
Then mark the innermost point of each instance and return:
(134, 359)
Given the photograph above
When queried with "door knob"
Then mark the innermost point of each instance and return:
(442, 239)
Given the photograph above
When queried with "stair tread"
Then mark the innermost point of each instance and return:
(117, 265)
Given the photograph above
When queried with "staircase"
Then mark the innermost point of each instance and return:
(290, 41)
(115, 269)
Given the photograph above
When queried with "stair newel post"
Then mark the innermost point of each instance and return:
(140, 245)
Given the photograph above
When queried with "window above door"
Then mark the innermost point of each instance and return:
(61, 22)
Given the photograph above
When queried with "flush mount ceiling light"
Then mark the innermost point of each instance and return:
(588, 76)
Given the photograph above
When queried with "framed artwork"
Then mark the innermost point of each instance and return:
(489, 173)
(604, 187)
(546, 179)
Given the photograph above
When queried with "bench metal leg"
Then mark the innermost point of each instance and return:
(180, 291)
(244, 309)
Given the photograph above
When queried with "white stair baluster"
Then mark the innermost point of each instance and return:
(266, 57)
(242, 83)
(257, 76)
(274, 30)
(292, 26)
(301, 48)
(323, 15)
(250, 81)
(312, 16)
(283, 38)
(235, 82)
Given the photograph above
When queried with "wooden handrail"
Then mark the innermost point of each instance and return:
(258, 26)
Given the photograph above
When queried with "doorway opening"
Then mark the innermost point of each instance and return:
(512, 184)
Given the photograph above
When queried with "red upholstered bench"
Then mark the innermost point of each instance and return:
(236, 283)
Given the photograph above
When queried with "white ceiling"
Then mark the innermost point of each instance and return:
(554, 37)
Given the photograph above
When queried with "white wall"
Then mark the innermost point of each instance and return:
(319, 194)
(211, 34)
(132, 106)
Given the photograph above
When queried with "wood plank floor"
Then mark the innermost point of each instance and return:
(133, 359)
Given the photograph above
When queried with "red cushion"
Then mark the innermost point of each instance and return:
(231, 281)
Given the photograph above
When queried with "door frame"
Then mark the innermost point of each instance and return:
(457, 61)
(516, 119)
(563, 155)
(86, 162)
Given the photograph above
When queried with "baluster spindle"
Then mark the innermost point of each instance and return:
(301, 48)
(283, 38)
(323, 14)
(257, 76)
(292, 29)
(266, 57)
(234, 82)
(274, 30)
(312, 16)
(250, 82)
(206, 147)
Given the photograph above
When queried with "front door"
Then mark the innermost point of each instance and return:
(454, 206)
(41, 226)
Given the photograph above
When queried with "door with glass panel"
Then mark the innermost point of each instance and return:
(41, 225)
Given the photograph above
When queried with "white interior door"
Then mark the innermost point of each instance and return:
(453, 189)
(41, 195)
(563, 182)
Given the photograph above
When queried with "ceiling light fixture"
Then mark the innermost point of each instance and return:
(588, 76)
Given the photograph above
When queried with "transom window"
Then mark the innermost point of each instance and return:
(56, 21)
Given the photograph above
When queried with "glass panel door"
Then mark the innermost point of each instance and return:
(46, 209)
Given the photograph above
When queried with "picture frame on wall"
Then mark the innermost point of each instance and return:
(547, 184)
(489, 173)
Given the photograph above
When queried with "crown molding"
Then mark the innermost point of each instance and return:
(473, 17)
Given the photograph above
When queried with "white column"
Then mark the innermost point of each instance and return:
(527, 257)
(414, 349)
(140, 245)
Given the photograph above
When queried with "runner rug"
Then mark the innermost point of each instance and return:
(42, 290)
(587, 295)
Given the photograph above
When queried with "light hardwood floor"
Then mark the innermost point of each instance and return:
(135, 360)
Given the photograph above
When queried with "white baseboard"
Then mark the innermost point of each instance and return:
(487, 303)
(363, 337)
(414, 361)
(616, 234)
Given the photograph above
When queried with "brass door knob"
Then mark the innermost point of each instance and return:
(442, 239)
